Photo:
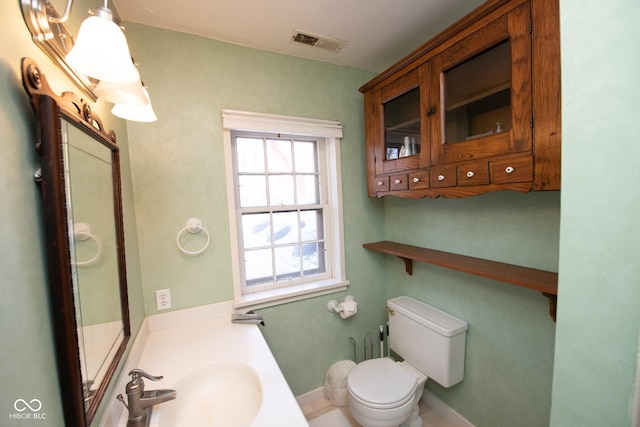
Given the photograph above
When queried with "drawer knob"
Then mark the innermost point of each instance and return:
(397, 181)
(470, 174)
(440, 177)
(416, 179)
(509, 169)
(380, 183)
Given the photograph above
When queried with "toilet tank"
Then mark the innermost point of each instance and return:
(428, 338)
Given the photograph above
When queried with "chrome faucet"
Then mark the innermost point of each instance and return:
(140, 401)
(247, 318)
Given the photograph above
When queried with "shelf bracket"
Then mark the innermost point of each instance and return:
(553, 303)
(408, 265)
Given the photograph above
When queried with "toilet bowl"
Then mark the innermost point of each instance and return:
(384, 393)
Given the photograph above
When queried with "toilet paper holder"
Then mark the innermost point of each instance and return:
(345, 309)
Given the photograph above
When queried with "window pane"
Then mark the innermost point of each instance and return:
(305, 152)
(258, 266)
(250, 155)
(256, 230)
(253, 190)
(281, 190)
(313, 258)
(307, 189)
(279, 156)
(311, 225)
(285, 228)
(287, 262)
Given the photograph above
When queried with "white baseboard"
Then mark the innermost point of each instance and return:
(444, 411)
(311, 396)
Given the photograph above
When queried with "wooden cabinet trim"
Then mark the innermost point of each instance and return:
(490, 35)
(547, 94)
(400, 86)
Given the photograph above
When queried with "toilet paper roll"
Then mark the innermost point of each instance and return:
(348, 309)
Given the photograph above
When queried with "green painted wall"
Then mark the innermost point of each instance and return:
(178, 173)
(510, 342)
(27, 354)
(599, 299)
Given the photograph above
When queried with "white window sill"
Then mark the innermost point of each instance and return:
(290, 294)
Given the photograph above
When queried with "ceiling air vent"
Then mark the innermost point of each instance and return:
(315, 40)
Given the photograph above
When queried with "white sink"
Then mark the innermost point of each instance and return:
(221, 394)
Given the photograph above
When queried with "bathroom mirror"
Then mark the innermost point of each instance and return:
(79, 177)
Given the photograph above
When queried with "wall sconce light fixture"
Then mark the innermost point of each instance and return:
(98, 60)
(122, 93)
(101, 50)
(136, 113)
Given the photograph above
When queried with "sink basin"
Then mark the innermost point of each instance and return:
(220, 394)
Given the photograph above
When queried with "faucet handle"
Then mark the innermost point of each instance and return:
(136, 375)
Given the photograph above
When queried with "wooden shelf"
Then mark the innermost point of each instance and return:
(477, 97)
(539, 280)
(413, 124)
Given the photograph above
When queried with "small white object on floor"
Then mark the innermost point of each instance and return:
(334, 418)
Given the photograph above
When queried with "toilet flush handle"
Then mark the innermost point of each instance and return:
(391, 311)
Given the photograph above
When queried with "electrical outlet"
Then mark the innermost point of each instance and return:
(163, 299)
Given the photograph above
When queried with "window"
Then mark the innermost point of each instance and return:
(280, 209)
(283, 184)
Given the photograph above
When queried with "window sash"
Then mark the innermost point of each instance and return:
(266, 266)
(304, 246)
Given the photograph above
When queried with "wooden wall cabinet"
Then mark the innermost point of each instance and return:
(475, 109)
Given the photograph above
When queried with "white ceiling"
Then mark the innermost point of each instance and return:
(378, 32)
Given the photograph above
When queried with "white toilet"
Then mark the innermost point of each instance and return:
(384, 393)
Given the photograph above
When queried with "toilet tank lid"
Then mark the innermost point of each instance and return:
(437, 320)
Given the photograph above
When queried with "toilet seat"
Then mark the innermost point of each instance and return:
(381, 384)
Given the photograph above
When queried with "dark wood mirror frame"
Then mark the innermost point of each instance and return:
(50, 111)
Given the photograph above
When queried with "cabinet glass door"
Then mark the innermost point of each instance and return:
(478, 95)
(402, 125)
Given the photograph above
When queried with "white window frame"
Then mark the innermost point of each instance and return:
(329, 133)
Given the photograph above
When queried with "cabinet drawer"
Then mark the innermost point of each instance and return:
(398, 182)
(381, 183)
(419, 180)
(513, 170)
(443, 177)
(473, 174)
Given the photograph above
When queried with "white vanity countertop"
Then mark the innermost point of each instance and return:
(174, 352)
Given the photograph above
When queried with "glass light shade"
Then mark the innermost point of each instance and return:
(101, 52)
(135, 113)
(121, 93)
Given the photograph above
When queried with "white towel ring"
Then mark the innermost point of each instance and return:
(194, 226)
(83, 232)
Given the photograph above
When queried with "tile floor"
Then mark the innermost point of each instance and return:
(322, 406)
